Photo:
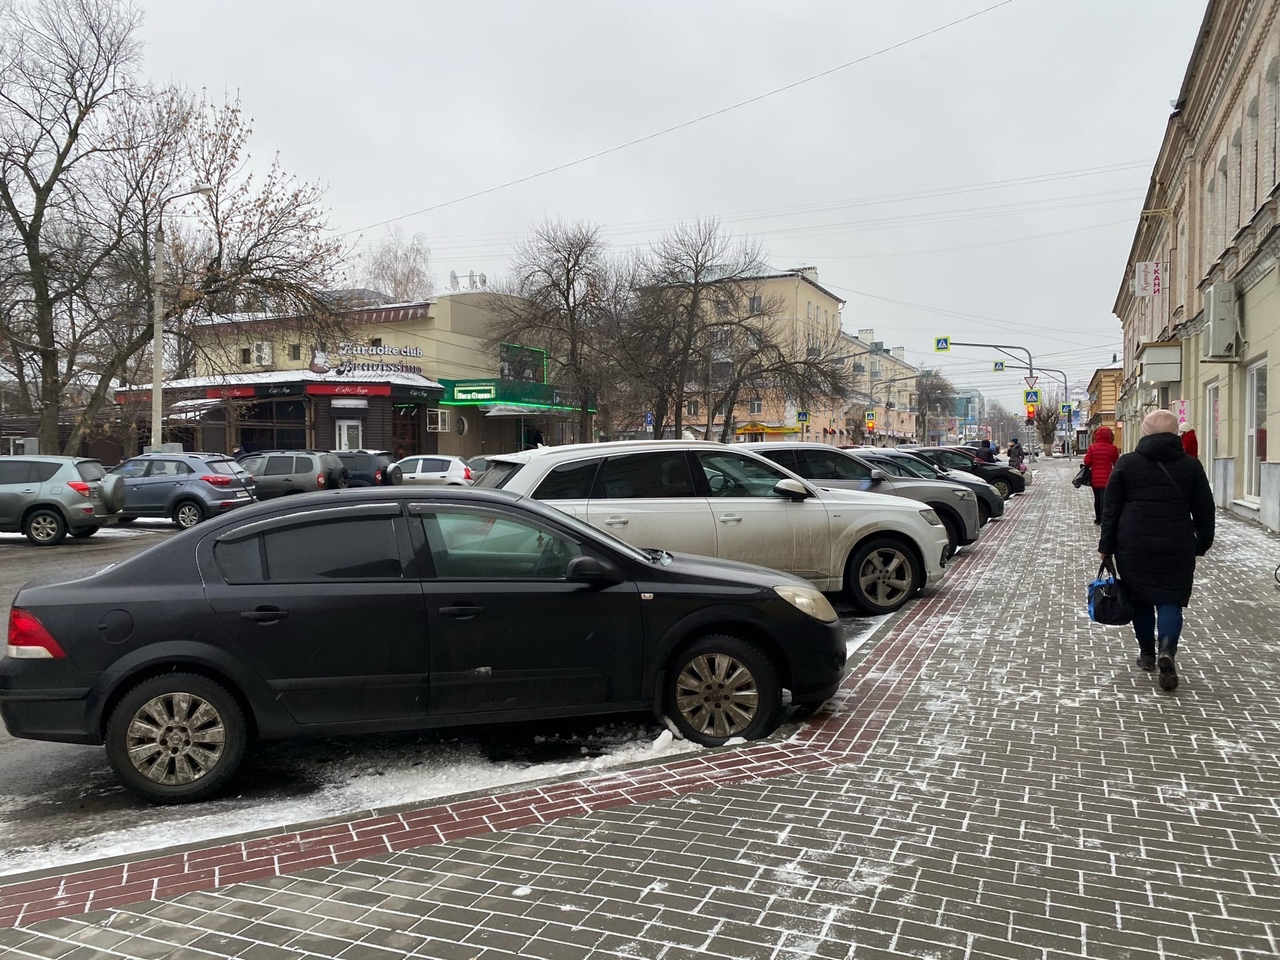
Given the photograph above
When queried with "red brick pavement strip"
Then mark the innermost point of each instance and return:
(843, 734)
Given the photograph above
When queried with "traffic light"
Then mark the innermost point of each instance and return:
(1031, 414)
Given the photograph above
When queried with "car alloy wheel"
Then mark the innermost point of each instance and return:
(882, 575)
(45, 528)
(187, 514)
(722, 687)
(176, 738)
(1003, 485)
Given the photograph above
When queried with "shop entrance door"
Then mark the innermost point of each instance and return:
(350, 435)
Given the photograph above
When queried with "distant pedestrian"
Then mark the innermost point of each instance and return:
(1016, 455)
(984, 452)
(1189, 442)
(1157, 518)
(1100, 458)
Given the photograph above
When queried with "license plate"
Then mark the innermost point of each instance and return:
(241, 494)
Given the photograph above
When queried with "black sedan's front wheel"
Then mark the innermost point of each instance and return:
(720, 687)
(1004, 487)
(176, 738)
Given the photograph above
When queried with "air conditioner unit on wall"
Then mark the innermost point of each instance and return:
(262, 354)
(1221, 321)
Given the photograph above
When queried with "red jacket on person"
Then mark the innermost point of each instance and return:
(1190, 444)
(1101, 457)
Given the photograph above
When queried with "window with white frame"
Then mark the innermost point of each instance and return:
(755, 406)
(1212, 446)
(1255, 428)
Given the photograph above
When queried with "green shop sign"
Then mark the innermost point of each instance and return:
(509, 393)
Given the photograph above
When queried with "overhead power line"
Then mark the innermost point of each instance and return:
(688, 123)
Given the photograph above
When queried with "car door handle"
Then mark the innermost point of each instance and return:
(264, 614)
(461, 612)
(731, 518)
(617, 521)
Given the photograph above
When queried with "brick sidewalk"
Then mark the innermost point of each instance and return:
(995, 779)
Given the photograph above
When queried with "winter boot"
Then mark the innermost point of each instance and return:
(1168, 674)
(1146, 654)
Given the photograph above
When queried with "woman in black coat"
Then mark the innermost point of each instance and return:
(1157, 517)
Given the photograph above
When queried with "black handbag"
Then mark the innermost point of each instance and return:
(1083, 476)
(1108, 601)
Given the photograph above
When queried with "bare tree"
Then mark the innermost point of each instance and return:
(934, 397)
(1048, 416)
(555, 298)
(396, 266)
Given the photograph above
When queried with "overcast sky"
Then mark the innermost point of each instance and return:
(867, 173)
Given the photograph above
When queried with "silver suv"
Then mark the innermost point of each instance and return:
(721, 501)
(183, 487)
(830, 466)
(46, 498)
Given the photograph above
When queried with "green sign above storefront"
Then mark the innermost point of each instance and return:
(508, 393)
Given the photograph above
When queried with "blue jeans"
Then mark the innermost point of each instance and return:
(1145, 619)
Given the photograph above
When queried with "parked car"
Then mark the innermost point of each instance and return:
(990, 503)
(489, 607)
(703, 497)
(279, 473)
(1000, 475)
(828, 466)
(45, 498)
(184, 487)
(369, 468)
(477, 465)
(435, 470)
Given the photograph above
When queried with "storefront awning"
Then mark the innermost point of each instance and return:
(501, 410)
(771, 428)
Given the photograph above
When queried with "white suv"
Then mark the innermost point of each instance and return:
(719, 501)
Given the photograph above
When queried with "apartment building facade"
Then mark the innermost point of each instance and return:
(1199, 304)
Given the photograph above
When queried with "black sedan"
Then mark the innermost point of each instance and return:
(990, 501)
(1000, 475)
(393, 609)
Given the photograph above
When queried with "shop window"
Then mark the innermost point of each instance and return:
(437, 421)
(295, 351)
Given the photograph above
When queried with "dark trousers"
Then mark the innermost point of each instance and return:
(1154, 622)
(1097, 503)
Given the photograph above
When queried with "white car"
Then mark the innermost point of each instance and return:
(435, 469)
(711, 499)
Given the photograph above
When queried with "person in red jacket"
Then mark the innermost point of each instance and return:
(1189, 442)
(1100, 458)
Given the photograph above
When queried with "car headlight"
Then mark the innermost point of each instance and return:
(931, 517)
(963, 494)
(994, 491)
(808, 601)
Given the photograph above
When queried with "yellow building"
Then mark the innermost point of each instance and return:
(1104, 397)
(1200, 300)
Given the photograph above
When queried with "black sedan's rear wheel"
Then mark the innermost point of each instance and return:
(882, 575)
(720, 687)
(176, 738)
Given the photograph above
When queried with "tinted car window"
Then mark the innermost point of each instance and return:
(14, 471)
(786, 458)
(830, 465)
(356, 549)
(90, 470)
(473, 546)
(499, 472)
(916, 468)
(239, 560)
(169, 468)
(40, 472)
(278, 467)
(568, 481)
(130, 469)
(733, 475)
(645, 476)
(229, 467)
(434, 465)
(892, 467)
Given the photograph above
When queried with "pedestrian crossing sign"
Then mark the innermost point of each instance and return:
(1030, 396)
(997, 366)
(1064, 408)
(941, 344)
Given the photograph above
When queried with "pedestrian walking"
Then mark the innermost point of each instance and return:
(1158, 516)
(1189, 442)
(984, 452)
(1016, 455)
(1100, 458)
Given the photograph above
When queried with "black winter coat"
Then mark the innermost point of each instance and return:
(1156, 531)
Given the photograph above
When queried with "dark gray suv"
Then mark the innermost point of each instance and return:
(278, 473)
(183, 487)
(46, 498)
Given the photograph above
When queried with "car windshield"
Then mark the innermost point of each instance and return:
(498, 473)
(913, 466)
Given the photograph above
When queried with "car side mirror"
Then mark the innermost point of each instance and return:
(793, 489)
(877, 476)
(591, 570)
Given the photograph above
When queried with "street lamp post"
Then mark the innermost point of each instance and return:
(157, 306)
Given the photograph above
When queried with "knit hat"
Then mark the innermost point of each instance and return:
(1159, 421)
(1184, 426)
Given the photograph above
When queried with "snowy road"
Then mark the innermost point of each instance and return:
(62, 804)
